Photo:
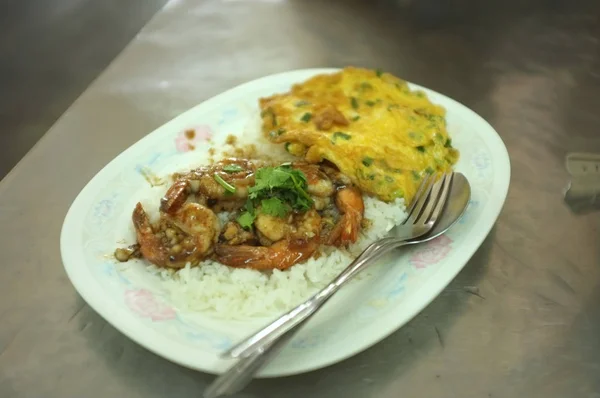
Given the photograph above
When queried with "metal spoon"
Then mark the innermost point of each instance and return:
(240, 374)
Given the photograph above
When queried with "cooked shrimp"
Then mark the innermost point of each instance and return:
(272, 227)
(239, 173)
(295, 226)
(336, 176)
(321, 203)
(296, 238)
(318, 182)
(281, 255)
(186, 236)
(350, 204)
(176, 196)
(234, 234)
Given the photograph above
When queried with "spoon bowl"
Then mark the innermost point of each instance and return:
(455, 207)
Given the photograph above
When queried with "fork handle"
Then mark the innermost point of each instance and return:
(241, 373)
(261, 340)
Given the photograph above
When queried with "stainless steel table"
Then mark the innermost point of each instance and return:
(521, 320)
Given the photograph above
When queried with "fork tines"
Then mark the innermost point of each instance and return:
(430, 198)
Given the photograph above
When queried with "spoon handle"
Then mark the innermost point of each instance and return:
(259, 341)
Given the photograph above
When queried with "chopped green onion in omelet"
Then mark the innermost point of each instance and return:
(370, 124)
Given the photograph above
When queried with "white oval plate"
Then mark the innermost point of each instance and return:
(359, 316)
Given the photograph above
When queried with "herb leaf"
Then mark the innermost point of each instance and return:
(228, 187)
(278, 190)
(274, 207)
(354, 102)
(232, 168)
(367, 161)
(355, 118)
(246, 219)
(420, 148)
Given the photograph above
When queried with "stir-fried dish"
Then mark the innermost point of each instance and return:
(354, 132)
(275, 215)
(371, 125)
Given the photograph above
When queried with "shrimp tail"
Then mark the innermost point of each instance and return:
(175, 197)
(150, 245)
(281, 255)
(351, 205)
(351, 227)
(242, 255)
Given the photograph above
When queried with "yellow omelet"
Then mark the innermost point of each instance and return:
(371, 125)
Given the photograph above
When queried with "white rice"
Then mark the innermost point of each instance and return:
(237, 293)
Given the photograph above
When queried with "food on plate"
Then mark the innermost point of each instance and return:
(251, 234)
(249, 213)
(371, 125)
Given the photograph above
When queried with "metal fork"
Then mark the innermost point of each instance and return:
(423, 214)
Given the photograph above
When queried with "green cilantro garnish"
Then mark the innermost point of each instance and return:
(277, 190)
(306, 117)
(448, 143)
(274, 207)
(232, 168)
(228, 187)
(246, 219)
(370, 103)
(420, 148)
(355, 118)
(354, 102)
(378, 72)
(367, 161)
